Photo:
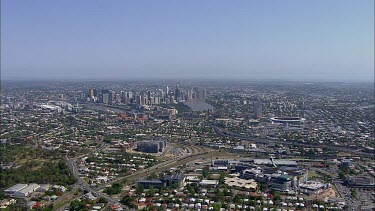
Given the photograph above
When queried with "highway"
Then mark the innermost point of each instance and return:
(349, 149)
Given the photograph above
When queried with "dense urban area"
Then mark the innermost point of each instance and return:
(187, 145)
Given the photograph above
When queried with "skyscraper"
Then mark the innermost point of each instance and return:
(106, 96)
(123, 96)
(177, 93)
(257, 109)
(189, 95)
(92, 93)
(204, 93)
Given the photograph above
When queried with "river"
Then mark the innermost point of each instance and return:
(198, 105)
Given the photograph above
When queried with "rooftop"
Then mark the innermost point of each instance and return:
(238, 182)
(16, 188)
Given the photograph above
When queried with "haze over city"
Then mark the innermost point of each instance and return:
(248, 40)
(187, 105)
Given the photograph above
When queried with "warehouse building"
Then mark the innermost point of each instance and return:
(21, 190)
(15, 188)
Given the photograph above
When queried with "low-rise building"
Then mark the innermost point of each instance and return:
(154, 183)
(212, 183)
(15, 188)
(361, 181)
(178, 179)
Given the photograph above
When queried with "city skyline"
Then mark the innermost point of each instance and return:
(245, 40)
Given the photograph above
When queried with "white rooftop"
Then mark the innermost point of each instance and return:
(16, 188)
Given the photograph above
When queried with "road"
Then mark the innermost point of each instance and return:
(130, 178)
(167, 166)
(82, 184)
(349, 149)
(345, 193)
(158, 168)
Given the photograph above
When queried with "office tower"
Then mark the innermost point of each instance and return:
(156, 100)
(257, 109)
(197, 93)
(92, 93)
(142, 99)
(189, 95)
(112, 96)
(123, 96)
(130, 95)
(82, 96)
(148, 97)
(183, 96)
(204, 93)
(106, 96)
(177, 93)
(117, 98)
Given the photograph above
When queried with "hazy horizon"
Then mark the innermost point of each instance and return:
(180, 40)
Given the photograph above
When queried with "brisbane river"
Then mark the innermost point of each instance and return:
(198, 105)
(195, 105)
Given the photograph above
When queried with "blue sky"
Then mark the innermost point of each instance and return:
(192, 39)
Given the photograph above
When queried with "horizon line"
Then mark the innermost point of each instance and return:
(184, 79)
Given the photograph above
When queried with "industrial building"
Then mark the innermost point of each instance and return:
(21, 190)
(15, 188)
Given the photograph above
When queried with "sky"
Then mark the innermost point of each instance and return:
(309, 40)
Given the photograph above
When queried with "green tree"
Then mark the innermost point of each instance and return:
(114, 189)
(151, 191)
(220, 195)
(216, 207)
(139, 189)
(205, 171)
(128, 201)
(103, 200)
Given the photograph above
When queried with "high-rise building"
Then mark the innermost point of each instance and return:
(204, 93)
(123, 96)
(92, 93)
(142, 99)
(167, 91)
(106, 96)
(82, 96)
(257, 109)
(189, 95)
(177, 93)
(118, 98)
(149, 96)
(197, 93)
(112, 95)
(156, 100)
